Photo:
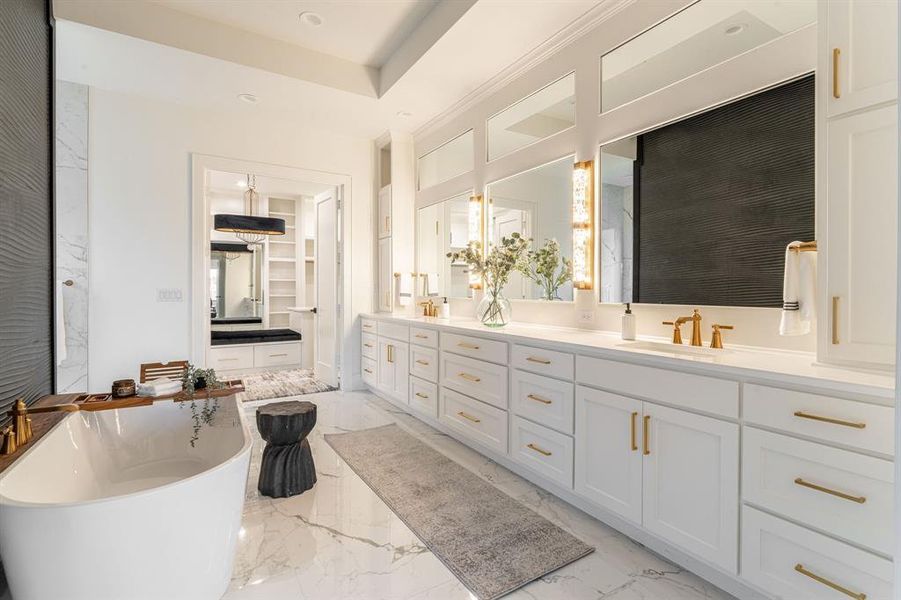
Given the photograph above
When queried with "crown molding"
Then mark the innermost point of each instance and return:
(575, 30)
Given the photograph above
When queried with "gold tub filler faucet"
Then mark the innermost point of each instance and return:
(19, 433)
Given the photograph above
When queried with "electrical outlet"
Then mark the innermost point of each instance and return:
(168, 295)
(586, 316)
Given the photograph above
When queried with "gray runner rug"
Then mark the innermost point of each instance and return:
(491, 542)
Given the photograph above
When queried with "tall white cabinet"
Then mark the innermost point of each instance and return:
(394, 217)
(857, 196)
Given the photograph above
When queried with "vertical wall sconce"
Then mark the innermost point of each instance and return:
(583, 225)
(476, 233)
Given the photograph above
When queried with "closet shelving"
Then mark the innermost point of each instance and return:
(282, 259)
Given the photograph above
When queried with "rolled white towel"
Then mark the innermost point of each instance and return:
(798, 291)
(159, 387)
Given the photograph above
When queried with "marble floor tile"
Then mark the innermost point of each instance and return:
(339, 540)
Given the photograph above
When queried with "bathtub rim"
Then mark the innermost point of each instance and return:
(247, 446)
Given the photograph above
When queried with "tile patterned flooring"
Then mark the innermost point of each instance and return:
(340, 541)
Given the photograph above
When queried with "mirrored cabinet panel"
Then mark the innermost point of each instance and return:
(700, 212)
(236, 283)
(701, 36)
(536, 204)
(446, 162)
(443, 228)
(544, 113)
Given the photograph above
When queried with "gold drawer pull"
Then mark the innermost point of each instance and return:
(539, 399)
(368, 345)
(836, 87)
(467, 345)
(422, 337)
(277, 355)
(540, 361)
(825, 490)
(804, 415)
(647, 447)
(838, 588)
(367, 326)
(469, 377)
(421, 395)
(835, 339)
(634, 443)
(367, 371)
(538, 449)
(419, 361)
(390, 353)
(470, 417)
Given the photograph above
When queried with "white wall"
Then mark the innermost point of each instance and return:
(140, 207)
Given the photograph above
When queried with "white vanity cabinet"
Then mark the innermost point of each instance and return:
(737, 473)
(861, 51)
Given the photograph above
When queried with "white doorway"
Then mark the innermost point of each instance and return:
(316, 260)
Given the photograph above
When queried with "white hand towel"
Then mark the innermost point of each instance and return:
(431, 284)
(60, 310)
(405, 289)
(798, 291)
(159, 387)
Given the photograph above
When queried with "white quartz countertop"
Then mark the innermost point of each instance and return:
(739, 362)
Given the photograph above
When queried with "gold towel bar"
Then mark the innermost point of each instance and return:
(805, 247)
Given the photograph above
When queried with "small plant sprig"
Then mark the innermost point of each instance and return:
(542, 268)
(210, 380)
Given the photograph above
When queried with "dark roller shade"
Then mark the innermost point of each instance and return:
(720, 195)
(26, 202)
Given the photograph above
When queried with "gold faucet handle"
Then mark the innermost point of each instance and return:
(677, 331)
(8, 442)
(717, 340)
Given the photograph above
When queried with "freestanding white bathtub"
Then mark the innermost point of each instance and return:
(117, 505)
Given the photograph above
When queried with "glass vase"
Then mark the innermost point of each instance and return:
(494, 309)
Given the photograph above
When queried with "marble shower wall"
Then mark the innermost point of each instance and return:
(71, 171)
(616, 243)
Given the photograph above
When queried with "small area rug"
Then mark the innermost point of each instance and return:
(491, 542)
(281, 384)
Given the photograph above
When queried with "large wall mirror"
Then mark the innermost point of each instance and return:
(443, 228)
(701, 211)
(538, 205)
(236, 283)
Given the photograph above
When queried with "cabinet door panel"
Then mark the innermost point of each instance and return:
(608, 459)
(386, 366)
(862, 233)
(690, 476)
(865, 32)
(385, 211)
(401, 357)
(386, 276)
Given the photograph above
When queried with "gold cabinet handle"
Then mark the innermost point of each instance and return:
(835, 339)
(422, 337)
(836, 59)
(419, 361)
(825, 490)
(469, 377)
(539, 399)
(803, 415)
(838, 588)
(367, 326)
(633, 442)
(539, 449)
(421, 395)
(644, 433)
(470, 417)
(540, 361)
(467, 345)
(368, 345)
(367, 371)
(390, 353)
(387, 223)
(278, 355)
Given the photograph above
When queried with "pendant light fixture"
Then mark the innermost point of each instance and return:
(250, 228)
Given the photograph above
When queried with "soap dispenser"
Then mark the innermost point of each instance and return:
(445, 309)
(628, 323)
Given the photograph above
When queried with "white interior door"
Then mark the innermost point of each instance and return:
(326, 288)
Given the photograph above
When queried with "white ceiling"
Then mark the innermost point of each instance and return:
(366, 32)
(148, 49)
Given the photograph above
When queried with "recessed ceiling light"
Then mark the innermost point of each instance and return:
(312, 19)
(404, 114)
(241, 183)
(248, 98)
(736, 29)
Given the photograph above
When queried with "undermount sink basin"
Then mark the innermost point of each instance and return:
(668, 348)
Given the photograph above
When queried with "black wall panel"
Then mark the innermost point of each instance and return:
(26, 202)
(720, 196)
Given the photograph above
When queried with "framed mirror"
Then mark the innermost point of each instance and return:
(236, 290)
(537, 204)
(443, 228)
(550, 110)
(700, 211)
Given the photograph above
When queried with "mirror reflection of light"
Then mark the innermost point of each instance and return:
(242, 533)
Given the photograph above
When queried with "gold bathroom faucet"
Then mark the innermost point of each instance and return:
(695, 319)
(19, 433)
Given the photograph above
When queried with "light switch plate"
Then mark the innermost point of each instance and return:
(168, 295)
